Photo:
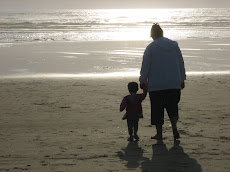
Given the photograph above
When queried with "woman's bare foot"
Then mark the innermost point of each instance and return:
(176, 134)
(157, 137)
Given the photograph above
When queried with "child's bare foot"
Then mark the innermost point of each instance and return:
(136, 137)
(157, 137)
(130, 139)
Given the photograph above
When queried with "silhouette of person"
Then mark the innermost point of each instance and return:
(163, 72)
(179, 161)
(160, 159)
(133, 154)
(173, 160)
(132, 104)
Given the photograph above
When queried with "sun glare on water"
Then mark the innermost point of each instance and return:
(139, 22)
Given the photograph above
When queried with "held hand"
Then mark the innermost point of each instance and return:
(182, 85)
(142, 85)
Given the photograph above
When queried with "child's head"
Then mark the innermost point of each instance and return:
(133, 87)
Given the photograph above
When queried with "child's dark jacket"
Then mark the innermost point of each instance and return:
(132, 103)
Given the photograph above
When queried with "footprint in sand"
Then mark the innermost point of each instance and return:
(64, 107)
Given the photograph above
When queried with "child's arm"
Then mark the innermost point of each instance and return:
(144, 94)
(123, 104)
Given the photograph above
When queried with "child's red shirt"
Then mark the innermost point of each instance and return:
(132, 103)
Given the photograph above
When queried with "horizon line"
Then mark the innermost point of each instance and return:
(157, 8)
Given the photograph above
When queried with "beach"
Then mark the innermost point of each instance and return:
(74, 124)
(64, 73)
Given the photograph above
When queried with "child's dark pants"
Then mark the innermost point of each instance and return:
(132, 123)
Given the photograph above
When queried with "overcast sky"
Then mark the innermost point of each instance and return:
(88, 4)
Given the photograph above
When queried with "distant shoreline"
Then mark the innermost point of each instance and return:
(106, 59)
(104, 75)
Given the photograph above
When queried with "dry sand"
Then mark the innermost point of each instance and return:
(74, 124)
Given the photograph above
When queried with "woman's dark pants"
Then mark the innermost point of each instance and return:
(167, 99)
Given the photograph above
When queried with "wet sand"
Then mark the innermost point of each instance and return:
(53, 59)
(74, 124)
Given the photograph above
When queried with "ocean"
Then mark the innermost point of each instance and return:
(92, 25)
(112, 24)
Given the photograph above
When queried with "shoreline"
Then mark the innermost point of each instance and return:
(113, 75)
(99, 58)
(86, 41)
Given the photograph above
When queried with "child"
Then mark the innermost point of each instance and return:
(132, 104)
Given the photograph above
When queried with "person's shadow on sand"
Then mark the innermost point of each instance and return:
(174, 159)
(133, 154)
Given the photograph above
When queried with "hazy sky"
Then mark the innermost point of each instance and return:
(75, 4)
